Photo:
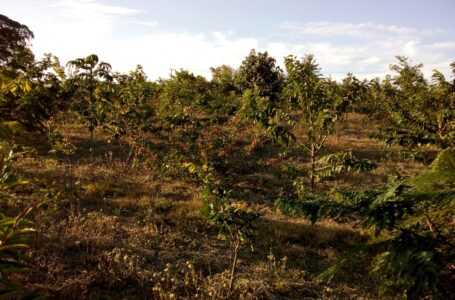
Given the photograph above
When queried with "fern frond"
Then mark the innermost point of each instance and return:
(341, 162)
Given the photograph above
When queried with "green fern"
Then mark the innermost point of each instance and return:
(14, 240)
(14, 232)
(341, 162)
(445, 161)
(412, 230)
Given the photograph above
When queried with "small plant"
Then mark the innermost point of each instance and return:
(117, 211)
(277, 267)
(60, 144)
(14, 232)
(234, 222)
(14, 239)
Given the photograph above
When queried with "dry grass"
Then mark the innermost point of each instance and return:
(120, 232)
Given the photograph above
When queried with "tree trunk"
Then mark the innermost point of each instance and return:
(234, 265)
(313, 166)
(336, 131)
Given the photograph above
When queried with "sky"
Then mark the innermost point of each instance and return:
(358, 36)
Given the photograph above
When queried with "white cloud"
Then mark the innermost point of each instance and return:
(443, 46)
(146, 23)
(370, 60)
(90, 8)
(367, 30)
(161, 52)
(367, 49)
(83, 17)
(77, 28)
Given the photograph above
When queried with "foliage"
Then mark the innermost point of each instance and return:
(30, 90)
(261, 81)
(59, 144)
(315, 97)
(132, 109)
(34, 94)
(418, 113)
(259, 71)
(9, 130)
(184, 94)
(194, 117)
(224, 77)
(14, 43)
(183, 109)
(91, 81)
(225, 93)
(260, 110)
(233, 221)
(8, 179)
(413, 238)
(353, 94)
(14, 239)
(14, 232)
(341, 162)
(445, 161)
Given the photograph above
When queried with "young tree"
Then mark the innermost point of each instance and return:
(184, 94)
(418, 112)
(224, 77)
(91, 79)
(315, 97)
(259, 70)
(133, 105)
(261, 82)
(353, 94)
(443, 93)
(233, 220)
(225, 93)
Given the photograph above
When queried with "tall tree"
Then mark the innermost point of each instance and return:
(15, 41)
(30, 90)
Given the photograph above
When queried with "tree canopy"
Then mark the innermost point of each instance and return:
(15, 41)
